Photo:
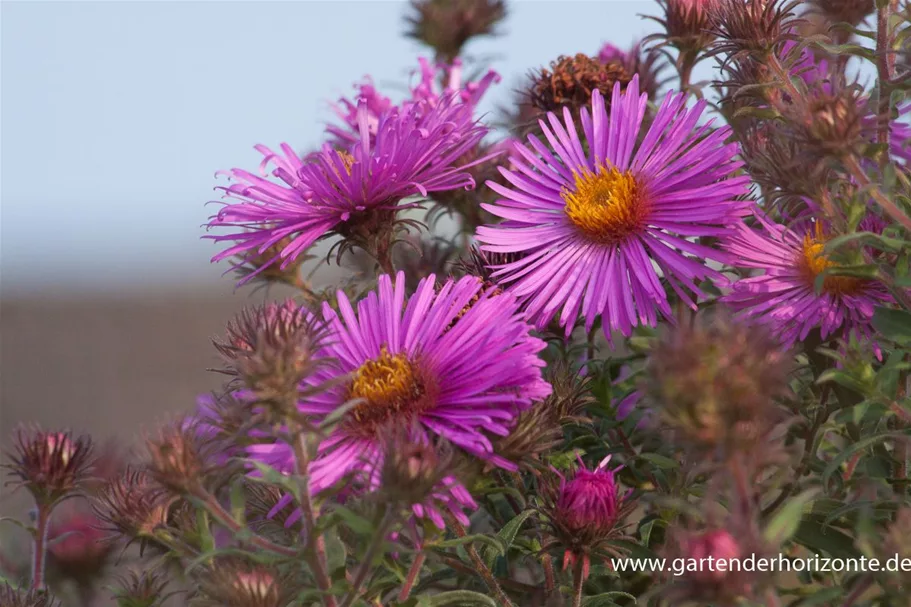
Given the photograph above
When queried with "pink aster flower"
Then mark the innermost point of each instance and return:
(427, 94)
(414, 153)
(592, 222)
(456, 360)
(784, 296)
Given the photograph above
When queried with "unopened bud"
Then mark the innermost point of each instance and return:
(446, 25)
(50, 465)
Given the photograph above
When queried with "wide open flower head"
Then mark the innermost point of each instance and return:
(784, 297)
(414, 153)
(456, 360)
(598, 224)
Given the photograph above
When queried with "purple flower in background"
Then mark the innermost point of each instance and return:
(455, 360)
(784, 297)
(591, 226)
(415, 152)
(428, 93)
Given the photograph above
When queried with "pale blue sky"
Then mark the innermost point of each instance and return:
(116, 115)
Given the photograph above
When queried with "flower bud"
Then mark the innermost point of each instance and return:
(77, 548)
(234, 582)
(271, 349)
(852, 12)
(146, 589)
(716, 382)
(750, 28)
(178, 458)
(132, 505)
(413, 467)
(50, 465)
(268, 267)
(686, 24)
(446, 25)
(717, 544)
(584, 511)
(13, 597)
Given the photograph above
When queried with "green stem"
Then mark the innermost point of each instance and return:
(315, 542)
(39, 550)
(363, 571)
(482, 569)
(578, 581)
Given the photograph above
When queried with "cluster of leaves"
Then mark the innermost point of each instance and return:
(731, 448)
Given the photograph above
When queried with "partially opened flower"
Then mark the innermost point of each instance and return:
(584, 511)
(598, 224)
(784, 296)
(355, 192)
(455, 360)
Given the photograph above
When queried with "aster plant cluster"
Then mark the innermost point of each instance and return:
(671, 327)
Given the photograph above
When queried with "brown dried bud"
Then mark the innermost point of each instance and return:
(571, 81)
(446, 25)
(50, 465)
(132, 505)
(272, 513)
(716, 381)
(539, 430)
(272, 347)
(852, 12)
(233, 582)
(146, 589)
(13, 597)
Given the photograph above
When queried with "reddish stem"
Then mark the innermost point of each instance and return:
(413, 575)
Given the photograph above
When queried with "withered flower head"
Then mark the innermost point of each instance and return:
(180, 458)
(446, 25)
(571, 81)
(146, 589)
(852, 12)
(50, 465)
(13, 597)
(539, 430)
(234, 582)
(271, 349)
(686, 24)
(584, 511)
(715, 381)
(751, 28)
(413, 466)
(132, 505)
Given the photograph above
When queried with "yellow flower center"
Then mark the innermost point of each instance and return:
(606, 206)
(814, 262)
(392, 387)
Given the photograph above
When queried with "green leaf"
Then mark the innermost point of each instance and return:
(877, 241)
(271, 476)
(336, 555)
(821, 596)
(566, 459)
(352, 520)
(238, 501)
(460, 598)
(894, 324)
(25, 526)
(665, 463)
(813, 535)
(605, 599)
(511, 529)
(784, 524)
(494, 542)
(850, 450)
